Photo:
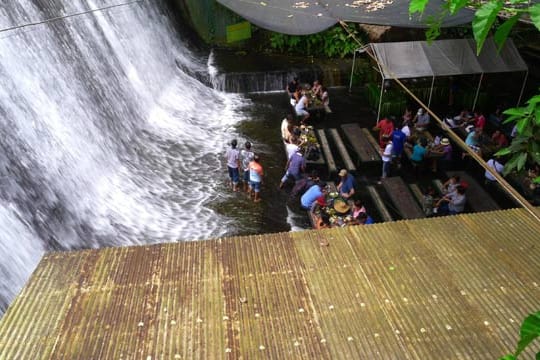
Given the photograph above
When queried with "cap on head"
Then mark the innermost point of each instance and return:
(445, 141)
(420, 111)
(342, 172)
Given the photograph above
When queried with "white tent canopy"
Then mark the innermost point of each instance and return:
(413, 59)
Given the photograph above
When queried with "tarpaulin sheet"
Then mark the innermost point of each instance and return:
(445, 57)
(308, 17)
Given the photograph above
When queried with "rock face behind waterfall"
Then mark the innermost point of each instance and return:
(101, 131)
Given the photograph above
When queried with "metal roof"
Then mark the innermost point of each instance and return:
(443, 288)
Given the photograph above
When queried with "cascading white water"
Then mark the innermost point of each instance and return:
(104, 140)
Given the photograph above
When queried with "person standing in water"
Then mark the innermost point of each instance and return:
(247, 156)
(233, 164)
(256, 174)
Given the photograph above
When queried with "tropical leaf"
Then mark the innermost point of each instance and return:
(522, 125)
(510, 165)
(455, 5)
(503, 152)
(417, 6)
(504, 30)
(522, 159)
(534, 12)
(483, 21)
(514, 111)
(530, 330)
(508, 357)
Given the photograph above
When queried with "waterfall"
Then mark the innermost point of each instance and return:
(106, 139)
(270, 76)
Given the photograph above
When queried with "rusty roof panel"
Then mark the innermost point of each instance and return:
(446, 288)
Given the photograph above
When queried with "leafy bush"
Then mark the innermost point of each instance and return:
(332, 43)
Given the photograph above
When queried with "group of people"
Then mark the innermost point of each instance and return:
(244, 166)
(395, 136)
(302, 96)
(451, 203)
(314, 197)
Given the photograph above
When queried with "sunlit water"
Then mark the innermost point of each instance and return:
(104, 140)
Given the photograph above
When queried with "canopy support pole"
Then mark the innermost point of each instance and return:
(431, 91)
(352, 70)
(380, 99)
(477, 91)
(523, 87)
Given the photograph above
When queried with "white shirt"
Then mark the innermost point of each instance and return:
(284, 129)
(291, 149)
(406, 130)
(495, 165)
(387, 154)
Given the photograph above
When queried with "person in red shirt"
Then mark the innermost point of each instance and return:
(499, 139)
(479, 120)
(386, 128)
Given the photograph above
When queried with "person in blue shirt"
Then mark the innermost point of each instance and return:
(310, 197)
(364, 219)
(346, 184)
(398, 142)
(472, 140)
(419, 152)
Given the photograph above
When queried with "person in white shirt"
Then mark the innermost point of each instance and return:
(386, 156)
(286, 125)
(301, 107)
(421, 120)
(496, 165)
(406, 129)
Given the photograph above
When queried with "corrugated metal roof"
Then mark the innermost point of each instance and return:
(443, 288)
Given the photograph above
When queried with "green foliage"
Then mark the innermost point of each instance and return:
(334, 42)
(417, 6)
(484, 18)
(504, 30)
(525, 147)
(534, 12)
(530, 330)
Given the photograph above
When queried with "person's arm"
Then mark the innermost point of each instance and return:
(446, 183)
(339, 186)
(387, 148)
